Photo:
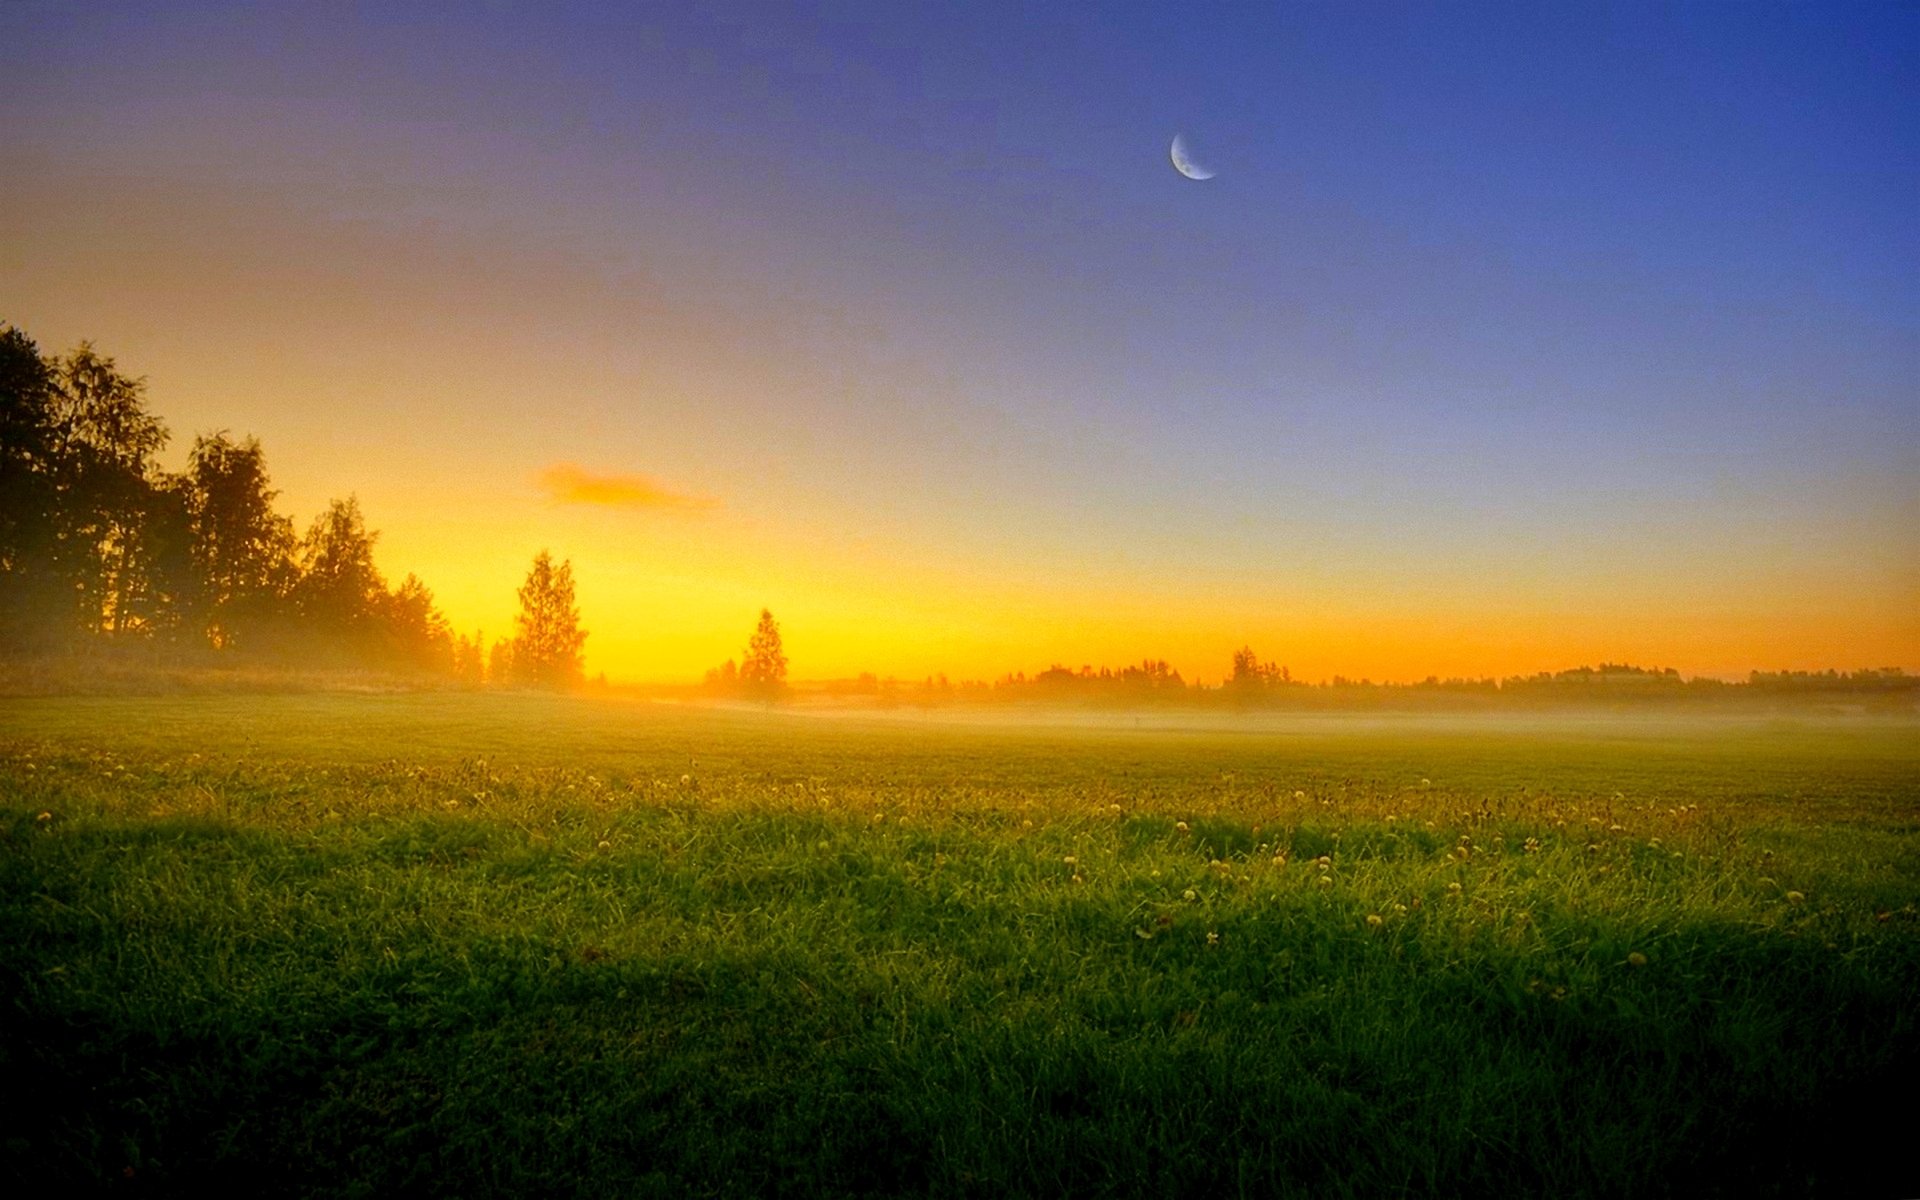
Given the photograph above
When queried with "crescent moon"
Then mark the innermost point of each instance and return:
(1183, 162)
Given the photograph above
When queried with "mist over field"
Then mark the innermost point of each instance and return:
(447, 943)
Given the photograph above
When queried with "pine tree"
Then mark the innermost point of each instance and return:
(763, 672)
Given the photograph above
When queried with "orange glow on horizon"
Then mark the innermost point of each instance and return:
(665, 601)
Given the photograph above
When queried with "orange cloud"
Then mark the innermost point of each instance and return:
(570, 484)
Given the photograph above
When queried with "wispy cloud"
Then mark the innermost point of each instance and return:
(570, 484)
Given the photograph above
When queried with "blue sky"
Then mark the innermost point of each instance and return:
(1525, 333)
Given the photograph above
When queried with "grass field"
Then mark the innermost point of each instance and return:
(466, 945)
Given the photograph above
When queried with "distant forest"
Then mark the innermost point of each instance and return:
(1257, 685)
(106, 556)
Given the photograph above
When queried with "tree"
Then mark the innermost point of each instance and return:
(499, 671)
(763, 672)
(242, 549)
(1250, 675)
(108, 488)
(340, 591)
(470, 659)
(545, 651)
(723, 680)
(32, 598)
(416, 634)
(98, 543)
(1247, 671)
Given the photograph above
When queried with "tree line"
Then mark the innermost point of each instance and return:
(1253, 683)
(100, 546)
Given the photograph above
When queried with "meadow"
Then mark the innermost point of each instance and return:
(463, 944)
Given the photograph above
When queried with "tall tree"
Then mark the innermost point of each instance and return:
(1248, 672)
(416, 634)
(242, 549)
(547, 640)
(108, 485)
(763, 672)
(33, 602)
(339, 589)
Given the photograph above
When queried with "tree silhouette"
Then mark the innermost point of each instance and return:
(723, 679)
(470, 659)
(499, 670)
(763, 672)
(340, 590)
(416, 634)
(545, 651)
(1251, 675)
(31, 590)
(242, 549)
(109, 493)
(98, 543)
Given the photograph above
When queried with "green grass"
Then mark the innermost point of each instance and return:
(467, 945)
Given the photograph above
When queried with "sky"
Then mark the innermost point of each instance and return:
(1504, 338)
